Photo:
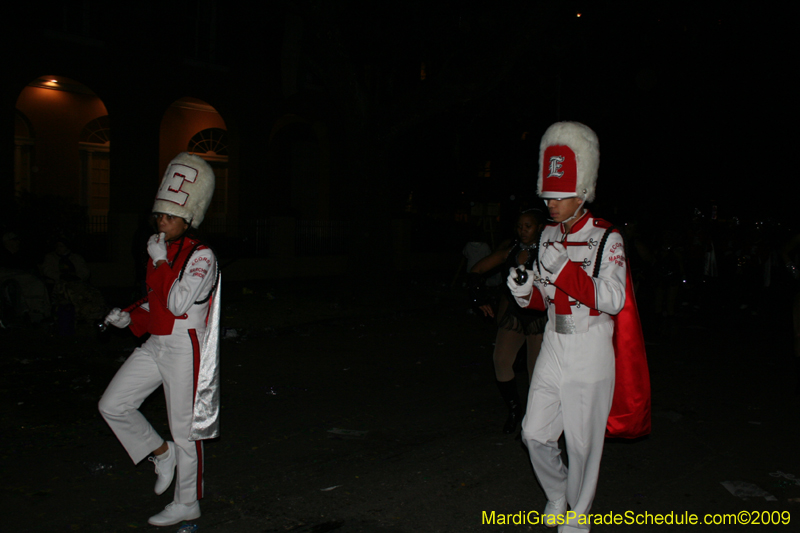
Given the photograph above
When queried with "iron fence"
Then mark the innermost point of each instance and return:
(321, 237)
(259, 237)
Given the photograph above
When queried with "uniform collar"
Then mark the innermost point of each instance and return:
(579, 224)
(180, 240)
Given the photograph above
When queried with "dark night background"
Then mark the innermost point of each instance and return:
(410, 113)
(690, 99)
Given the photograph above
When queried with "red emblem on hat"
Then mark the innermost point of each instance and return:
(559, 170)
(171, 187)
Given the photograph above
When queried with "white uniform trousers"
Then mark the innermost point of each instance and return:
(571, 391)
(171, 361)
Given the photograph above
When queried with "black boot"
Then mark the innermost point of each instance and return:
(508, 390)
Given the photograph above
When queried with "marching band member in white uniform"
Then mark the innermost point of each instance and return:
(580, 286)
(181, 315)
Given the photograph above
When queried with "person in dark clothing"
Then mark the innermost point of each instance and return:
(516, 326)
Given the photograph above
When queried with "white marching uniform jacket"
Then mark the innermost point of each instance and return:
(185, 297)
(574, 299)
(181, 313)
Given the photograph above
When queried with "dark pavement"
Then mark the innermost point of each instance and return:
(409, 373)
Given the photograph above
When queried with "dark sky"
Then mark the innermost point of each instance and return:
(692, 100)
(691, 103)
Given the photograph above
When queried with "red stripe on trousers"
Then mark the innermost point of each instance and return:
(195, 373)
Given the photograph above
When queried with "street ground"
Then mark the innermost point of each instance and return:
(379, 414)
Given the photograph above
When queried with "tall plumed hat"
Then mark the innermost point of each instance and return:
(569, 156)
(186, 189)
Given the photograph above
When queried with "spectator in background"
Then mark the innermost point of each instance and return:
(13, 255)
(23, 296)
(668, 274)
(475, 250)
(73, 297)
(62, 264)
(789, 254)
(516, 326)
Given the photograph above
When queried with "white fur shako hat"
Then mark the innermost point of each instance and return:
(569, 156)
(186, 189)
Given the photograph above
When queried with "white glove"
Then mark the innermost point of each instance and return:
(554, 257)
(157, 247)
(118, 318)
(522, 293)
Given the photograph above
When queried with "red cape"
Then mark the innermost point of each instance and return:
(630, 410)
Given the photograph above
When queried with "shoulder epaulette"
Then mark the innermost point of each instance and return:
(601, 223)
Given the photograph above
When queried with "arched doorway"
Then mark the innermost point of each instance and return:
(58, 119)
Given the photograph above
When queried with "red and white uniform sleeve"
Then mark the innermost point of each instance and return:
(198, 278)
(606, 292)
(536, 300)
